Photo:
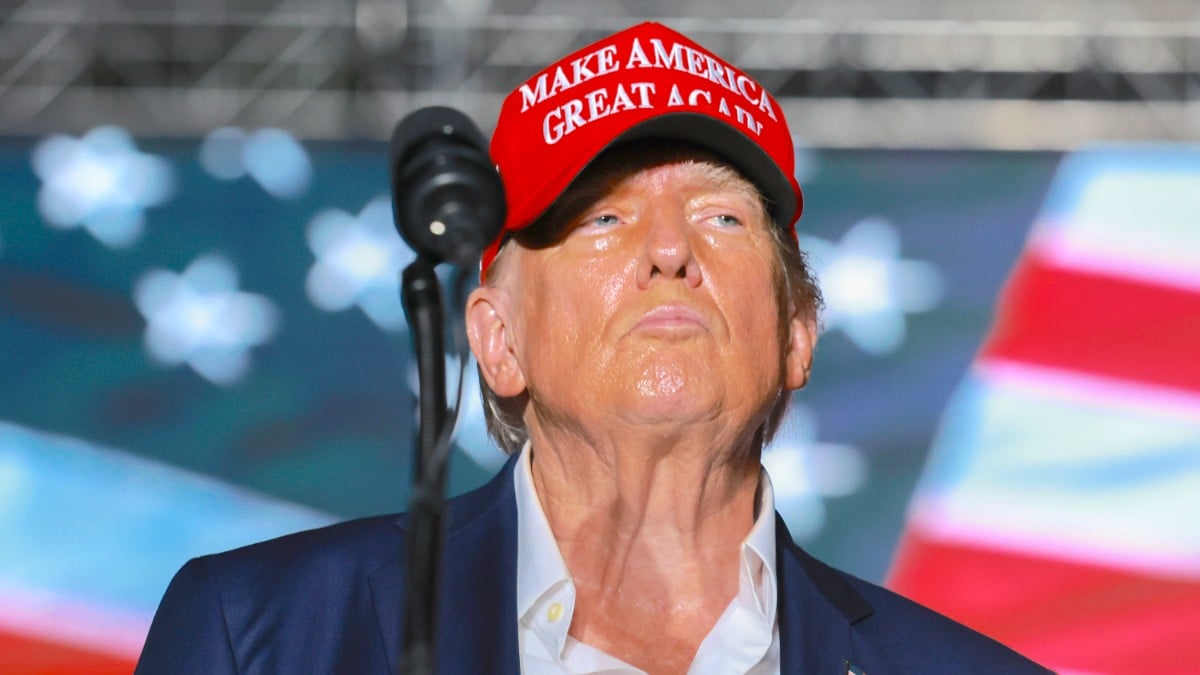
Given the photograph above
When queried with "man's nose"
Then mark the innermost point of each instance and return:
(668, 250)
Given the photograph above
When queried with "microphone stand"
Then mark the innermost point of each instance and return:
(421, 296)
(448, 202)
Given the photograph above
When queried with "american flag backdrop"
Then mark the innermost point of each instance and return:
(201, 346)
(1060, 511)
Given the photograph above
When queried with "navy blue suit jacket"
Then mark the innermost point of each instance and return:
(331, 601)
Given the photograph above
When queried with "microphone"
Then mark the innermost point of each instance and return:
(447, 196)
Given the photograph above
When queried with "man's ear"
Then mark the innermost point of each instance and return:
(488, 329)
(802, 340)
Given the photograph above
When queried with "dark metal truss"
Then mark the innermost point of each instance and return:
(929, 74)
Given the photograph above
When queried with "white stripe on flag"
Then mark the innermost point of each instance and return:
(1035, 469)
(1124, 213)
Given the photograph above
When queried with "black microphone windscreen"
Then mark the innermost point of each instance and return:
(447, 196)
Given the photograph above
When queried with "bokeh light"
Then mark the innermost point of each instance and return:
(200, 318)
(358, 262)
(100, 182)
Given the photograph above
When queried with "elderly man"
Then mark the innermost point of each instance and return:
(641, 324)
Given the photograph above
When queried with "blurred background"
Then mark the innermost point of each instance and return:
(201, 343)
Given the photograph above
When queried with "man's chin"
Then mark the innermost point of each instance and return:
(666, 396)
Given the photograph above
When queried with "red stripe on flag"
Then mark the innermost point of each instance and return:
(1061, 614)
(23, 655)
(1082, 321)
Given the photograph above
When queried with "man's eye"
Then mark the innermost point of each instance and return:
(605, 220)
(726, 220)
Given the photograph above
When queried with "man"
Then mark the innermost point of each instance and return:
(643, 319)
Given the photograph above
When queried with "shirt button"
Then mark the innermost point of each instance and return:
(554, 612)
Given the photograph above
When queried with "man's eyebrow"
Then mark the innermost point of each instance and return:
(730, 182)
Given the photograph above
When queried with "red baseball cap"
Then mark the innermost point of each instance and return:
(647, 81)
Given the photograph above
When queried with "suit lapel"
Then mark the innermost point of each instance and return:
(477, 609)
(477, 630)
(387, 593)
(816, 610)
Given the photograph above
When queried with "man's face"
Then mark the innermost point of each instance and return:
(657, 306)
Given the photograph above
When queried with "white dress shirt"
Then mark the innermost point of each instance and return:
(745, 638)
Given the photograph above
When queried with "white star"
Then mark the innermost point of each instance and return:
(359, 259)
(200, 318)
(100, 182)
(868, 288)
(272, 157)
(804, 471)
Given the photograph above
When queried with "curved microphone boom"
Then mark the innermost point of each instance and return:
(446, 193)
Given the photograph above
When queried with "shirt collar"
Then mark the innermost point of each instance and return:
(758, 550)
(542, 578)
(540, 565)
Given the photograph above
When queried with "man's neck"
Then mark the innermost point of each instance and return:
(651, 535)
